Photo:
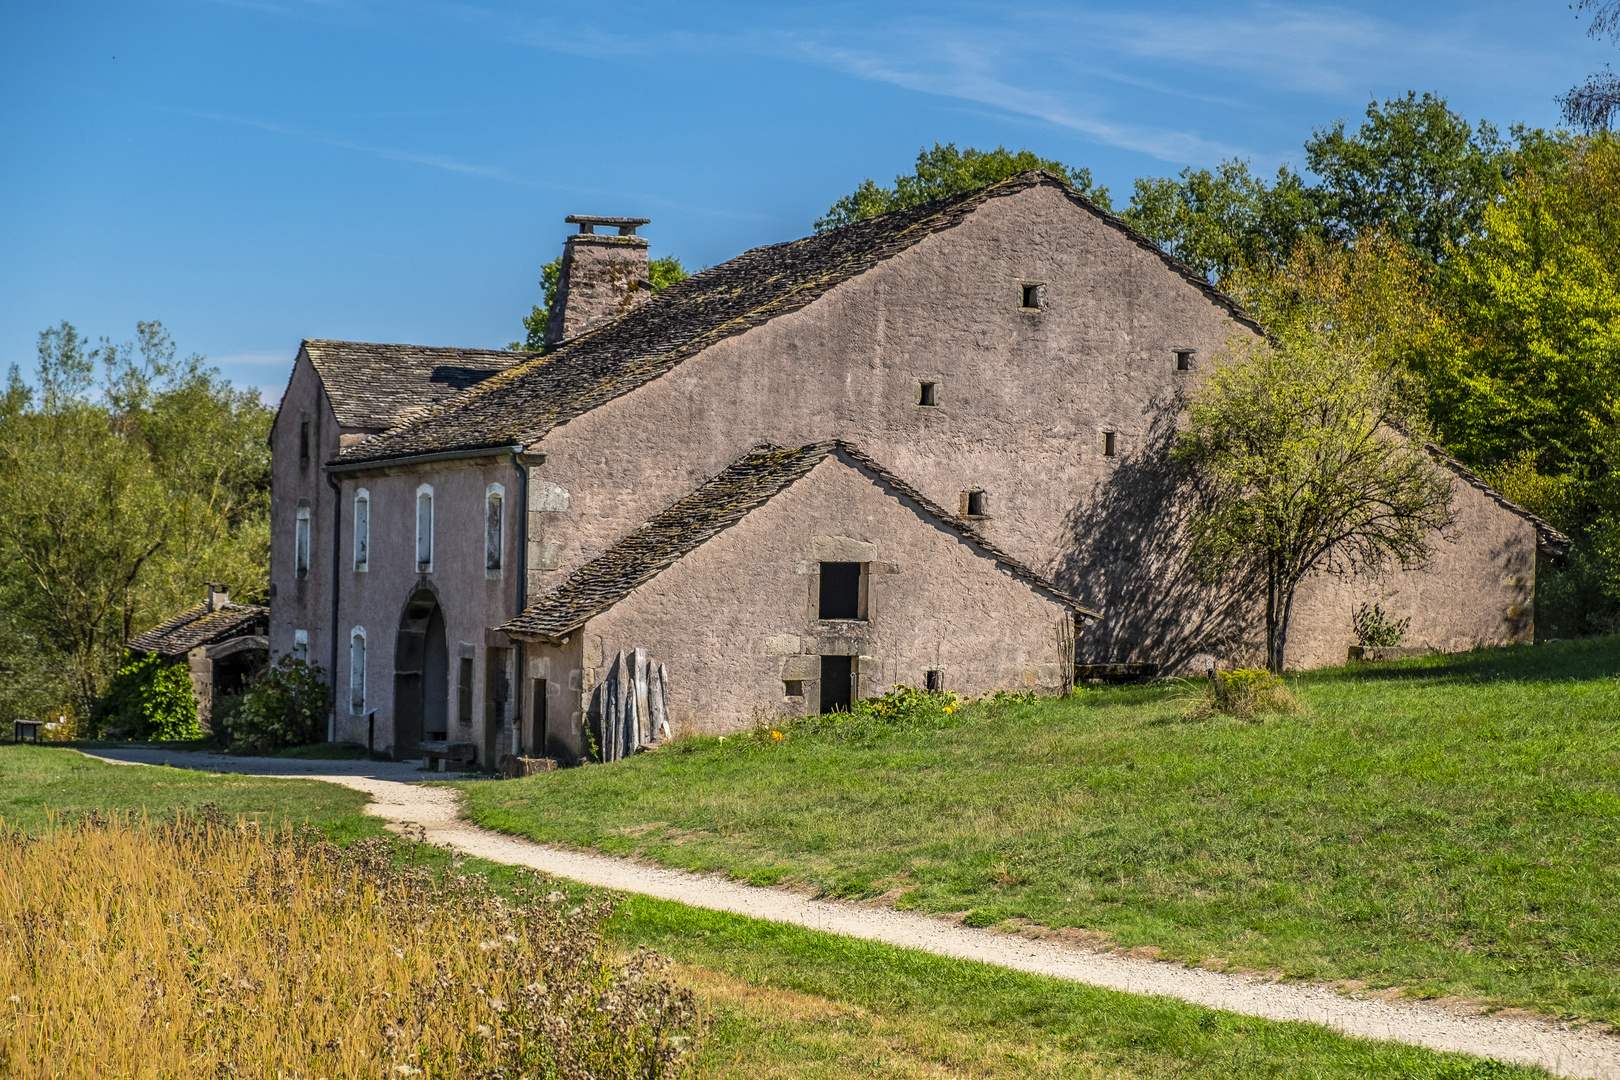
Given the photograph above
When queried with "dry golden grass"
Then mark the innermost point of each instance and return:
(198, 948)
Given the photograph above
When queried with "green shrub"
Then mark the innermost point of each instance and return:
(905, 708)
(1376, 629)
(1242, 693)
(286, 706)
(149, 699)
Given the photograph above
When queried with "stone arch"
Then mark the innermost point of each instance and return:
(421, 672)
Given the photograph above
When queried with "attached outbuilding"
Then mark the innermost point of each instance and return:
(223, 643)
(798, 580)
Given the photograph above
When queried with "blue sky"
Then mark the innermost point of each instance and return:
(253, 172)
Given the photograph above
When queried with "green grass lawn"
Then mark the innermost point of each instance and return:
(789, 1002)
(1448, 825)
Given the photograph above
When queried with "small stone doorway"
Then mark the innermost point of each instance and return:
(837, 683)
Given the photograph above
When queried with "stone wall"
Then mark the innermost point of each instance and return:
(735, 618)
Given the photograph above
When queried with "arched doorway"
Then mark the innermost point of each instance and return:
(421, 675)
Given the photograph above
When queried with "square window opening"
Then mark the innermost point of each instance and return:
(934, 680)
(1184, 359)
(793, 688)
(975, 504)
(843, 590)
(928, 394)
(1108, 444)
(1032, 297)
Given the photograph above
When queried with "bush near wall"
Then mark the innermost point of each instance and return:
(149, 699)
(286, 706)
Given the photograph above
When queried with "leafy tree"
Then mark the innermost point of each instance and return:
(1593, 104)
(1537, 301)
(1216, 221)
(1414, 170)
(1377, 291)
(117, 507)
(661, 273)
(1297, 444)
(945, 170)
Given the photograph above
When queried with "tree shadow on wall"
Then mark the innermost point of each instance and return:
(1125, 551)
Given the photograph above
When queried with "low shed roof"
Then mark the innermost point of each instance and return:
(202, 625)
(747, 484)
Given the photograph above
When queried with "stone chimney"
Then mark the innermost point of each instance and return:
(218, 596)
(602, 277)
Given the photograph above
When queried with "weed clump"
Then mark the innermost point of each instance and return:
(203, 948)
(1242, 693)
(905, 708)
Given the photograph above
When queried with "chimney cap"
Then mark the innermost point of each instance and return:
(587, 224)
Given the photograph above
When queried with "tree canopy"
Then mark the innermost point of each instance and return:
(945, 170)
(120, 498)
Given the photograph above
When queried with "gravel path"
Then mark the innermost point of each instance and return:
(1560, 1050)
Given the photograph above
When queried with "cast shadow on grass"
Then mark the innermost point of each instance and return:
(1581, 660)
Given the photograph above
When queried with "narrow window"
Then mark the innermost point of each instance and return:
(843, 590)
(497, 686)
(301, 645)
(464, 689)
(934, 679)
(424, 529)
(362, 530)
(927, 394)
(357, 670)
(301, 542)
(1184, 359)
(975, 504)
(1033, 296)
(1108, 444)
(793, 688)
(303, 440)
(492, 528)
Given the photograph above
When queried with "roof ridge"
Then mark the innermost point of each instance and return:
(537, 395)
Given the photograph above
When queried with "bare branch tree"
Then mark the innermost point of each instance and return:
(1595, 103)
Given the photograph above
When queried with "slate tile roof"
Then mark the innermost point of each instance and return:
(377, 386)
(199, 626)
(529, 399)
(746, 484)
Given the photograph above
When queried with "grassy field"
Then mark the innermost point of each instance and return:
(1448, 825)
(788, 1002)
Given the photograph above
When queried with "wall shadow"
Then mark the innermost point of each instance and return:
(1125, 551)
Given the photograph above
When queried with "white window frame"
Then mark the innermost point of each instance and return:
(357, 671)
(494, 494)
(424, 544)
(362, 531)
(300, 649)
(301, 539)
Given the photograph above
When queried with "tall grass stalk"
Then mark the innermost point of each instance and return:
(200, 948)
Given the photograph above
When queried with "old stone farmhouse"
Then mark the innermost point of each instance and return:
(927, 448)
(223, 644)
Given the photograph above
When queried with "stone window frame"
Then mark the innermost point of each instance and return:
(494, 531)
(966, 503)
(425, 540)
(300, 648)
(1028, 290)
(357, 671)
(301, 542)
(1182, 359)
(362, 531)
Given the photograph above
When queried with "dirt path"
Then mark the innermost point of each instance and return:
(1561, 1051)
